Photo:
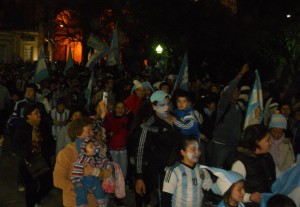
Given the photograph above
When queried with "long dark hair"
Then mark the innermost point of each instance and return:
(252, 135)
(184, 140)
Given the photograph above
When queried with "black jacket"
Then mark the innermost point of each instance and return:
(260, 171)
(155, 142)
(23, 141)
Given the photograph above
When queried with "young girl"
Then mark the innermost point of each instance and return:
(184, 180)
(233, 197)
(116, 126)
(230, 185)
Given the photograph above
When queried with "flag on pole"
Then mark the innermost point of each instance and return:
(96, 43)
(113, 57)
(70, 62)
(95, 57)
(101, 50)
(41, 71)
(88, 91)
(255, 102)
(182, 80)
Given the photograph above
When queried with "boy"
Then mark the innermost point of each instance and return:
(186, 120)
(90, 153)
(59, 117)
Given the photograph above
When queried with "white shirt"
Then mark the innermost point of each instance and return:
(185, 184)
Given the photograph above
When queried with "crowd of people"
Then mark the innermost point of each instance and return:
(184, 148)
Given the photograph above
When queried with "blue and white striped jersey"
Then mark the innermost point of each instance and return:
(185, 184)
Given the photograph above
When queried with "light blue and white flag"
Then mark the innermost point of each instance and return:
(182, 80)
(101, 50)
(95, 57)
(288, 183)
(41, 71)
(95, 43)
(113, 57)
(70, 62)
(88, 92)
(256, 100)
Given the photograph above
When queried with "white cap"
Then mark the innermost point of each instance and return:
(225, 179)
(137, 84)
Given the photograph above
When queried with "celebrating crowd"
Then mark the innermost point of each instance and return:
(170, 146)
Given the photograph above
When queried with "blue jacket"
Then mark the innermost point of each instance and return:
(187, 122)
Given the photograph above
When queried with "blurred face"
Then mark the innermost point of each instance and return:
(263, 145)
(35, 116)
(30, 93)
(165, 89)
(285, 110)
(76, 115)
(182, 103)
(237, 193)
(87, 132)
(110, 84)
(140, 92)
(148, 92)
(120, 109)
(297, 116)
(214, 89)
(90, 147)
(191, 154)
(212, 107)
(276, 133)
(15, 97)
(60, 108)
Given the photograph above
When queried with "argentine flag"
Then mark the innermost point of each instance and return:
(41, 71)
(287, 184)
(101, 50)
(256, 100)
(113, 57)
(95, 43)
(182, 80)
(70, 62)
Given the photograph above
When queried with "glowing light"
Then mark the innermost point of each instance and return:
(288, 16)
(159, 49)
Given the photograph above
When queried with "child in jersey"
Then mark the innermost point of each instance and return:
(184, 180)
(186, 120)
(89, 153)
(230, 185)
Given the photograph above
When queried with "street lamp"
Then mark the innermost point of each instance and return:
(159, 49)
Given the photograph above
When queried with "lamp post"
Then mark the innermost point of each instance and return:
(164, 56)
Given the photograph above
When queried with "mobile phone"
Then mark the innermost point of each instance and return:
(105, 97)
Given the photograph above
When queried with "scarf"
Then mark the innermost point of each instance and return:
(36, 139)
(274, 150)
